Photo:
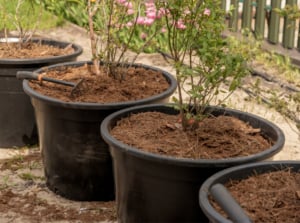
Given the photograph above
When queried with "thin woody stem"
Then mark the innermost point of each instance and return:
(35, 26)
(92, 36)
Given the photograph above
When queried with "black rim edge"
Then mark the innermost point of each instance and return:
(204, 189)
(85, 105)
(190, 162)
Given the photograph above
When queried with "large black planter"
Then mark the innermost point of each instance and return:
(155, 188)
(17, 120)
(76, 160)
(214, 186)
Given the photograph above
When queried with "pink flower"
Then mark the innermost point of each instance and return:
(180, 24)
(130, 11)
(163, 30)
(143, 36)
(129, 24)
(149, 21)
(206, 12)
(151, 15)
(161, 12)
(128, 5)
(140, 20)
(150, 8)
(145, 21)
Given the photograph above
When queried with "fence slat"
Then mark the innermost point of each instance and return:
(289, 28)
(298, 43)
(273, 32)
(247, 14)
(233, 20)
(286, 34)
(260, 19)
(223, 4)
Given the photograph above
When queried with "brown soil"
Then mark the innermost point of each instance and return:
(30, 198)
(31, 50)
(136, 83)
(216, 137)
(276, 199)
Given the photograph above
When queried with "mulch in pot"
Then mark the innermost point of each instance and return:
(31, 50)
(216, 138)
(268, 197)
(133, 83)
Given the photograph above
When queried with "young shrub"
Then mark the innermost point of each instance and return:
(201, 56)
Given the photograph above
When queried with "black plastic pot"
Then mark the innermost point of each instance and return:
(155, 188)
(77, 161)
(214, 186)
(18, 126)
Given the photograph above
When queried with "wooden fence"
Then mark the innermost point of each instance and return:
(260, 18)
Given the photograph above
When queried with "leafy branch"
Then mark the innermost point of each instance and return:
(202, 58)
(112, 36)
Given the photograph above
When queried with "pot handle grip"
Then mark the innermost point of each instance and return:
(36, 76)
(27, 75)
(223, 197)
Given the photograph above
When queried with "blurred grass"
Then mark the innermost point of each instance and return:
(30, 14)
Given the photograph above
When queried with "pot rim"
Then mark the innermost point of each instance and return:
(204, 203)
(105, 125)
(11, 61)
(105, 106)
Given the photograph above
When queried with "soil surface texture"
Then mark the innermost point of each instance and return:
(31, 50)
(24, 196)
(269, 197)
(102, 88)
(215, 137)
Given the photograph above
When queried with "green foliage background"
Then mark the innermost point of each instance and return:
(29, 14)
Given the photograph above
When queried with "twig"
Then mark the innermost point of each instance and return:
(265, 76)
(91, 13)
(288, 113)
